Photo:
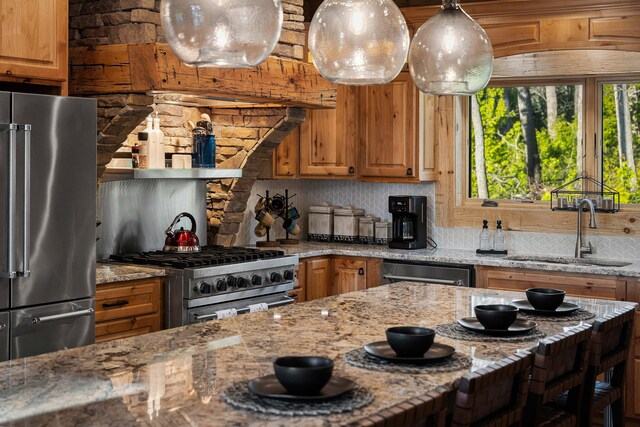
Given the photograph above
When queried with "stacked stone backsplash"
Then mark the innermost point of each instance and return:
(246, 137)
(103, 22)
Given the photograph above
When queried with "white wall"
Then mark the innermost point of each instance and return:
(373, 197)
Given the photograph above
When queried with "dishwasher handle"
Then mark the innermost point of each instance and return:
(423, 280)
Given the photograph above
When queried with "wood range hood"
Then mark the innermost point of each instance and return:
(153, 68)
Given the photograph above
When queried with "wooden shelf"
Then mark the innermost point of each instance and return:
(121, 174)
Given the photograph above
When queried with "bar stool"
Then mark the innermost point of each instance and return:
(495, 395)
(559, 366)
(610, 343)
(428, 410)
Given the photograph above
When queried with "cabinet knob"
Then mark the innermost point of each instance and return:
(409, 172)
(352, 170)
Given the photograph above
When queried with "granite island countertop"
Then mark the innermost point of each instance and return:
(175, 377)
(454, 256)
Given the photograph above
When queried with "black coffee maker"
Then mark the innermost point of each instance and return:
(409, 222)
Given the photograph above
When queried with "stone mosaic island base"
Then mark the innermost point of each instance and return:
(175, 377)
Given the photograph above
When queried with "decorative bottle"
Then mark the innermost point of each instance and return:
(143, 156)
(152, 143)
(485, 236)
(499, 239)
(160, 162)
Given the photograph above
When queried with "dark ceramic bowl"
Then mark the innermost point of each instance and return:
(496, 316)
(545, 298)
(303, 375)
(410, 341)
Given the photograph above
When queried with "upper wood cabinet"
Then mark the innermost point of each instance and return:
(285, 157)
(33, 41)
(388, 131)
(328, 139)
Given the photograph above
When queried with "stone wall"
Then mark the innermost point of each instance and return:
(245, 139)
(103, 22)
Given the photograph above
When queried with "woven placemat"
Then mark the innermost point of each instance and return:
(577, 315)
(239, 397)
(361, 359)
(457, 332)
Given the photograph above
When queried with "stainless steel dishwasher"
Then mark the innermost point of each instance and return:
(428, 272)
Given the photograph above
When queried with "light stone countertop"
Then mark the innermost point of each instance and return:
(455, 256)
(179, 373)
(112, 272)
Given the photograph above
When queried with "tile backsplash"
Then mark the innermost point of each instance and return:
(373, 197)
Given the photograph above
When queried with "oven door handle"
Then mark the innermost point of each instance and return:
(214, 316)
(423, 280)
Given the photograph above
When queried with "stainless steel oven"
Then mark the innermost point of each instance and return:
(428, 272)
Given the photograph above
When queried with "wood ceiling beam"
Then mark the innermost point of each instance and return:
(154, 68)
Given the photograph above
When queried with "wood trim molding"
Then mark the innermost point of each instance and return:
(154, 68)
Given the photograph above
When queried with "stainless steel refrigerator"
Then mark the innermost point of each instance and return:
(47, 223)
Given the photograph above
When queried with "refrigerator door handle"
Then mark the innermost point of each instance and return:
(69, 315)
(26, 272)
(11, 270)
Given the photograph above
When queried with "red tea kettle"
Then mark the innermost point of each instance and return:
(182, 240)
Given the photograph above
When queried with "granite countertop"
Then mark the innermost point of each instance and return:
(112, 272)
(175, 377)
(456, 256)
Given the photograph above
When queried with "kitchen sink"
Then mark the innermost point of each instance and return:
(568, 260)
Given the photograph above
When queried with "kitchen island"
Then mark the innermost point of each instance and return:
(175, 377)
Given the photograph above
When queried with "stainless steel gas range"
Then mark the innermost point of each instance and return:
(220, 282)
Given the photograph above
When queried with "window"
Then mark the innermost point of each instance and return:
(528, 138)
(524, 140)
(620, 129)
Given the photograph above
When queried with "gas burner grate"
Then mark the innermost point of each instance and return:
(209, 256)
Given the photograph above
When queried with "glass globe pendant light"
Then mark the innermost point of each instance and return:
(451, 54)
(222, 33)
(358, 42)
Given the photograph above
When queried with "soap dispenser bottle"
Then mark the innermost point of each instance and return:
(499, 239)
(485, 236)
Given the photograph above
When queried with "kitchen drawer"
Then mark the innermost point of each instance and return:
(129, 327)
(121, 300)
(577, 285)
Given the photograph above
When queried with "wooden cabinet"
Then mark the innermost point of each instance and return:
(325, 276)
(285, 157)
(388, 131)
(349, 275)
(33, 41)
(328, 139)
(298, 292)
(127, 309)
(578, 285)
(317, 278)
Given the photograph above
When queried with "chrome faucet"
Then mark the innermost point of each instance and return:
(581, 248)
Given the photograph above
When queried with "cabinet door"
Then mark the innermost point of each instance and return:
(349, 275)
(388, 130)
(328, 139)
(632, 404)
(33, 38)
(285, 157)
(318, 278)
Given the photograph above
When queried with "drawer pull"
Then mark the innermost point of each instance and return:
(120, 303)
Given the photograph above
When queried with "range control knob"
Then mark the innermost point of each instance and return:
(204, 288)
(256, 280)
(232, 281)
(243, 282)
(275, 277)
(289, 275)
(221, 285)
